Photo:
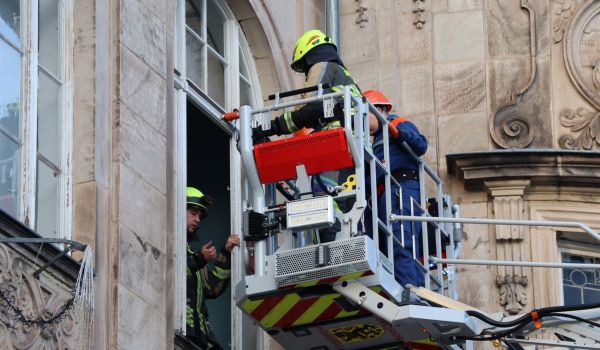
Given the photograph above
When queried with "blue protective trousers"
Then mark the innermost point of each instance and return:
(406, 269)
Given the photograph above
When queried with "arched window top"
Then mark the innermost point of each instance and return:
(217, 60)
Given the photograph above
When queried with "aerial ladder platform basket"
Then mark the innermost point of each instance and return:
(342, 294)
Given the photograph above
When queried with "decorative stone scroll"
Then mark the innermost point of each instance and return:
(584, 126)
(34, 297)
(509, 125)
(582, 51)
(510, 280)
(582, 58)
(563, 11)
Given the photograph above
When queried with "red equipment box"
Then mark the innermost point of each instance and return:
(320, 151)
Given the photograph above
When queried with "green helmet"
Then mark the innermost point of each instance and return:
(196, 198)
(308, 41)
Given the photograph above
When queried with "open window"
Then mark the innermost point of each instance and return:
(214, 73)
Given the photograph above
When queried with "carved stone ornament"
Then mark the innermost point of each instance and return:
(420, 15)
(513, 293)
(509, 124)
(584, 124)
(563, 11)
(34, 297)
(510, 280)
(362, 16)
(582, 51)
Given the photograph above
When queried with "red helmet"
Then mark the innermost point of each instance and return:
(378, 99)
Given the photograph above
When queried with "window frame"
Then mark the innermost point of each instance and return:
(28, 123)
(574, 248)
(234, 45)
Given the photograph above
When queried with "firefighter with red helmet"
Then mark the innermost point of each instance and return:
(404, 169)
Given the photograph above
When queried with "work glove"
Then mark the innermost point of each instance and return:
(261, 136)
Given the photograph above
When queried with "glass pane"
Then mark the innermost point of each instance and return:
(194, 58)
(48, 36)
(245, 93)
(10, 88)
(193, 15)
(243, 65)
(47, 201)
(215, 26)
(580, 285)
(9, 177)
(216, 80)
(48, 118)
(10, 20)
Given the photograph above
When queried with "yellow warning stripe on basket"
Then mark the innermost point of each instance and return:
(311, 314)
(288, 310)
(251, 305)
(280, 310)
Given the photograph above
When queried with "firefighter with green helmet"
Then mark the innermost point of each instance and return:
(316, 56)
(203, 281)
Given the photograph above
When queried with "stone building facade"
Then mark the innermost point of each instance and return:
(506, 91)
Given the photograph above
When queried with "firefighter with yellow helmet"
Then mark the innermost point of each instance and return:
(203, 281)
(316, 56)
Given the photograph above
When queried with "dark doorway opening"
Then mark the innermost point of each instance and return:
(208, 170)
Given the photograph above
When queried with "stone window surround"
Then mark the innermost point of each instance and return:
(28, 125)
(185, 90)
(539, 170)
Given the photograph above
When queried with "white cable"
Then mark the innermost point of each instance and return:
(84, 302)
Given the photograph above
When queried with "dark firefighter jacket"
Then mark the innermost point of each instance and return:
(204, 282)
(310, 115)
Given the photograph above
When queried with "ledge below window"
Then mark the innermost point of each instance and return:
(43, 253)
(540, 166)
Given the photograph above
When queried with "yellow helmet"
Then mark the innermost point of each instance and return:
(196, 198)
(307, 42)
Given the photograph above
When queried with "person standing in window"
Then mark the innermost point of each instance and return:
(203, 281)
(405, 170)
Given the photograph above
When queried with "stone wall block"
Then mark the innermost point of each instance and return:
(359, 45)
(143, 32)
(84, 212)
(143, 91)
(506, 78)
(256, 39)
(366, 75)
(142, 267)
(416, 89)
(460, 88)
(464, 5)
(458, 37)
(414, 44)
(427, 126)
(143, 149)
(171, 17)
(84, 51)
(508, 29)
(462, 133)
(242, 9)
(385, 19)
(159, 7)
(140, 326)
(142, 208)
(439, 6)
(269, 83)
